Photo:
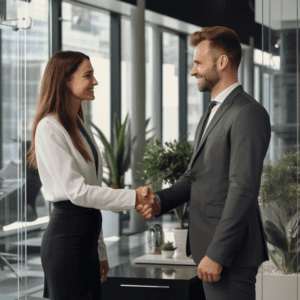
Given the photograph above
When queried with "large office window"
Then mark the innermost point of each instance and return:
(149, 78)
(194, 97)
(170, 130)
(170, 87)
(88, 31)
(126, 87)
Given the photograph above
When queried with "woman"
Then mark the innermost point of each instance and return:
(62, 150)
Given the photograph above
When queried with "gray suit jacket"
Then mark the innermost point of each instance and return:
(222, 182)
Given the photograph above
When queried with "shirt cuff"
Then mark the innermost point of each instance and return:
(157, 198)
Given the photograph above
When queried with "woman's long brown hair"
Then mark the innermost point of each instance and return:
(55, 98)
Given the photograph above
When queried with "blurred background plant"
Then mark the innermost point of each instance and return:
(285, 241)
(168, 246)
(168, 164)
(280, 183)
(117, 159)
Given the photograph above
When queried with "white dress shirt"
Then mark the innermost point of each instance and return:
(220, 99)
(65, 175)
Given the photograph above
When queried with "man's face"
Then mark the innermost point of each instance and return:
(205, 68)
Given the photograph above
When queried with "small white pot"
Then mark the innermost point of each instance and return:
(167, 253)
(180, 237)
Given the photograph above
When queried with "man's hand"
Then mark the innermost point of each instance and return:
(145, 196)
(145, 211)
(209, 270)
(104, 269)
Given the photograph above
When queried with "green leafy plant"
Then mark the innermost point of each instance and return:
(169, 164)
(118, 160)
(286, 243)
(168, 246)
(279, 182)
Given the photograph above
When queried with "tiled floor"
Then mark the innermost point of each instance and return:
(129, 248)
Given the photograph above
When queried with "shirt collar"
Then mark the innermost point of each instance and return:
(222, 96)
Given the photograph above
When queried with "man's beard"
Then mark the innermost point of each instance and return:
(208, 82)
(203, 88)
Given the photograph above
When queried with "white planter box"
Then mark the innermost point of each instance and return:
(277, 287)
(272, 284)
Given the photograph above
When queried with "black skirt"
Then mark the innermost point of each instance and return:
(69, 253)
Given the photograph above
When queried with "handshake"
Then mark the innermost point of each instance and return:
(146, 203)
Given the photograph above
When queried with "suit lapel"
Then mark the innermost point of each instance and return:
(224, 106)
(222, 109)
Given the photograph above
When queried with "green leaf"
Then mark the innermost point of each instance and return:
(275, 236)
(283, 230)
(277, 264)
(294, 260)
(116, 129)
(293, 224)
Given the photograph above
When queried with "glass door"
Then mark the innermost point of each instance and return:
(15, 275)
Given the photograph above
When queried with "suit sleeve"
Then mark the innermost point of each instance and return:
(250, 137)
(178, 194)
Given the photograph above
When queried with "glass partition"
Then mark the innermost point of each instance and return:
(277, 74)
(23, 210)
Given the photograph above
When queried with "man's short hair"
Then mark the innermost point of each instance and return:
(223, 40)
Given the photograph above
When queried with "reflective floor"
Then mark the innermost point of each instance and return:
(119, 251)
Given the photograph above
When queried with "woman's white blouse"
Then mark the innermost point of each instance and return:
(65, 174)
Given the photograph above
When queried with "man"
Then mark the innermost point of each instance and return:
(226, 236)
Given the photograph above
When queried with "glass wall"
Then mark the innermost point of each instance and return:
(277, 72)
(24, 54)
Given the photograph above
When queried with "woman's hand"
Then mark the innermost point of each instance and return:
(104, 269)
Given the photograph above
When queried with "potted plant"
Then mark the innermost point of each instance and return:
(169, 164)
(117, 160)
(278, 195)
(167, 250)
(280, 280)
(286, 243)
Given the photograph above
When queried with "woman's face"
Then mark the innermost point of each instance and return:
(83, 82)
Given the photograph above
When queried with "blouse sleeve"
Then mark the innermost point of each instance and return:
(54, 152)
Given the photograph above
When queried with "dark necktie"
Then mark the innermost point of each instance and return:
(211, 105)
